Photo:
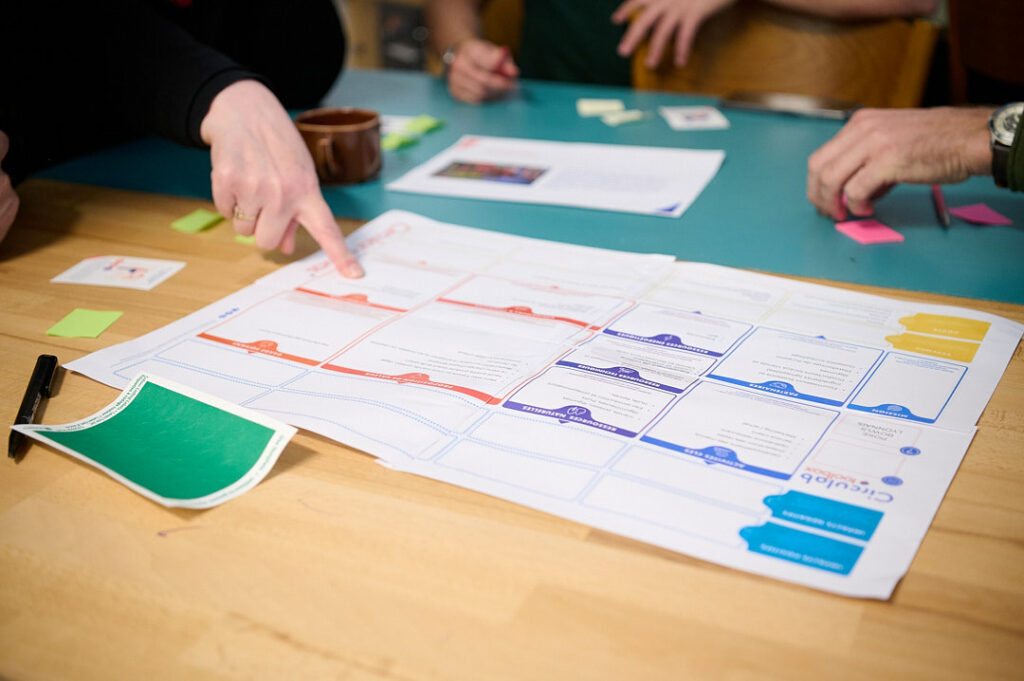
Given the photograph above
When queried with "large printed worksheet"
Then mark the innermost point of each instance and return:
(791, 430)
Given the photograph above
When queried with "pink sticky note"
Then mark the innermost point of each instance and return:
(980, 214)
(869, 232)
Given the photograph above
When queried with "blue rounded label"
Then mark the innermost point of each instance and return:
(892, 480)
(910, 451)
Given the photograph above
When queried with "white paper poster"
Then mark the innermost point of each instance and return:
(787, 429)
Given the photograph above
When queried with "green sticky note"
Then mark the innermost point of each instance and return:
(173, 444)
(242, 239)
(197, 221)
(396, 140)
(84, 323)
(422, 124)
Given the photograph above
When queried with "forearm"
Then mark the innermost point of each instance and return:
(860, 9)
(452, 21)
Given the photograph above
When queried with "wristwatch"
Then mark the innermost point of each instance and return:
(448, 57)
(1003, 126)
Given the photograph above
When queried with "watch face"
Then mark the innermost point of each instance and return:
(1004, 122)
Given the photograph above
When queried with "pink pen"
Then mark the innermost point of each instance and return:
(499, 67)
(939, 201)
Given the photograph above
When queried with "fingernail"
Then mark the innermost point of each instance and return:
(353, 270)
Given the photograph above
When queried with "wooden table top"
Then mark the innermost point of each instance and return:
(335, 567)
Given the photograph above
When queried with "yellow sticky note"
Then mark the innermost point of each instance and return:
(944, 325)
(614, 118)
(84, 323)
(959, 351)
(396, 140)
(197, 221)
(598, 107)
(422, 124)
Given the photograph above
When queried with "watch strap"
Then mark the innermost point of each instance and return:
(1015, 162)
(1004, 127)
(1000, 161)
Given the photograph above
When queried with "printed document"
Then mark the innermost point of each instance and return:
(792, 430)
(647, 180)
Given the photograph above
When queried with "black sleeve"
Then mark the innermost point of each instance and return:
(298, 46)
(157, 72)
(76, 75)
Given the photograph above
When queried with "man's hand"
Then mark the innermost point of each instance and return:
(879, 148)
(664, 20)
(481, 71)
(8, 197)
(263, 176)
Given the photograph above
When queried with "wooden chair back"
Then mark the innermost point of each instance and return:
(501, 22)
(755, 47)
(985, 38)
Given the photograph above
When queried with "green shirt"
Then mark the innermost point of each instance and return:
(572, 40)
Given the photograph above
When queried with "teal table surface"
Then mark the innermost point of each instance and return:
(753, 214)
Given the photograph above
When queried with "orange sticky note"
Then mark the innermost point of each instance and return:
(869, 232)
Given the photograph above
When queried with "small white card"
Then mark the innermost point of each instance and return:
(694, 117)
(598, 107)
(121, 271)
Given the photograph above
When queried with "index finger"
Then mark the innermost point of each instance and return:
(625, 10)
(317, 219)
(684, 40)
(830, 167)
(661, 33)
(638, 29)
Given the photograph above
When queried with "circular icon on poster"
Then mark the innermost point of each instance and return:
(910, 451)
(892, 480)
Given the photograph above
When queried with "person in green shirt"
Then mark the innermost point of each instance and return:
(590, 41)
(880, 148)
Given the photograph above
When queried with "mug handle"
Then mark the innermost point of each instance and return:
(329, 167)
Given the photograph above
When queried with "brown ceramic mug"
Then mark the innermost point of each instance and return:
(344, 143)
